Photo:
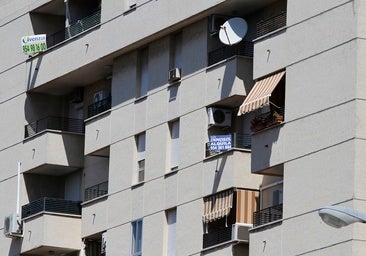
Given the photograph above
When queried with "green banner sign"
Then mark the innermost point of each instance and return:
(33, 44)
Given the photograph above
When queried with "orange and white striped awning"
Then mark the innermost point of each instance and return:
(260, 93)
(217, 206)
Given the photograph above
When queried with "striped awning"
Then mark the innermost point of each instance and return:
(260, 93)
(246, 204)
(217, 206)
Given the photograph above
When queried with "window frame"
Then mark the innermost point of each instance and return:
(136, 231)
(140, 140)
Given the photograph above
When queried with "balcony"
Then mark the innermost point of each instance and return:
(238, 141)
(267, 215)
(228, 216)
(53, 146)
(53, 205)
(51, 225)
(96, 191)
(217, 237)
(99, 107)
(74, 29)
(54, 123)
(244, 48)
(267, 119)
(271, 24)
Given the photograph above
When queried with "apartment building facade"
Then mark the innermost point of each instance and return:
(109, 137)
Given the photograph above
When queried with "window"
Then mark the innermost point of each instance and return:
(174, 144)
(136, 243)
(143, 73)
(171, 220)
(140, 143)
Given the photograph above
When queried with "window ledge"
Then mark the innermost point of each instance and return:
(139, 184)
(141, 98)
(171, 173)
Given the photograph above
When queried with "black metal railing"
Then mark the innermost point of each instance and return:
(244, 48)
(217, 236)
(96, 191)
(267, 119)
(75, 29)
(271, 24)
(54, 205)
(99, 107)
(267, 215)
(54, 123)
(241, 141)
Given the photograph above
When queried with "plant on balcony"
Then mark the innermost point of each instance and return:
(274, 118)
(257, 124)
(266, 120)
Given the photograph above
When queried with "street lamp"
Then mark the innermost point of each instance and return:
(340, 216)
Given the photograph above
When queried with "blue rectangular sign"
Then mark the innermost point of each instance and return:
(220, 142)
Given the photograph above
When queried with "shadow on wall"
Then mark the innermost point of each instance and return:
(15, 246)
(33, 73)
(237, 69)
(220, 166)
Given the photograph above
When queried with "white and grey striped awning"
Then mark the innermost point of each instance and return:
(217, 206)
(260, 93)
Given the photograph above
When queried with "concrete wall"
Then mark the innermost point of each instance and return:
(52, 230)
(320, 142)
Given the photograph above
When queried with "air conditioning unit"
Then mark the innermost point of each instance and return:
(98, 96)
(215, 22)
(240, 232)
(103, 246)
(174, 74)
(13, 226)
(219, 117)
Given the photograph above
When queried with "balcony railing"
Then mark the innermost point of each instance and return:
(241, 141)
(217, 236)
(74, 29)
(271, 24)
(96, 191)
(99, 107)
(267, 119)
(245, 48)
(54, 123)
(53, 205)
(267, 215)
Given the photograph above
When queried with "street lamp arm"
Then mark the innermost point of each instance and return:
(340, 216)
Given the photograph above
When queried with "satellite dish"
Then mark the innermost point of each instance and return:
(233, 31)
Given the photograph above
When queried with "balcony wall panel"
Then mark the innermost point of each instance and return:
(97, 133)
(271, 240)
(310, 88)
(232, 77)
(228, 170)
(53, 148)
(298, 11)
(94, 217)
(304, 39)
(51, 230)
(335, 163)
(301, 137)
